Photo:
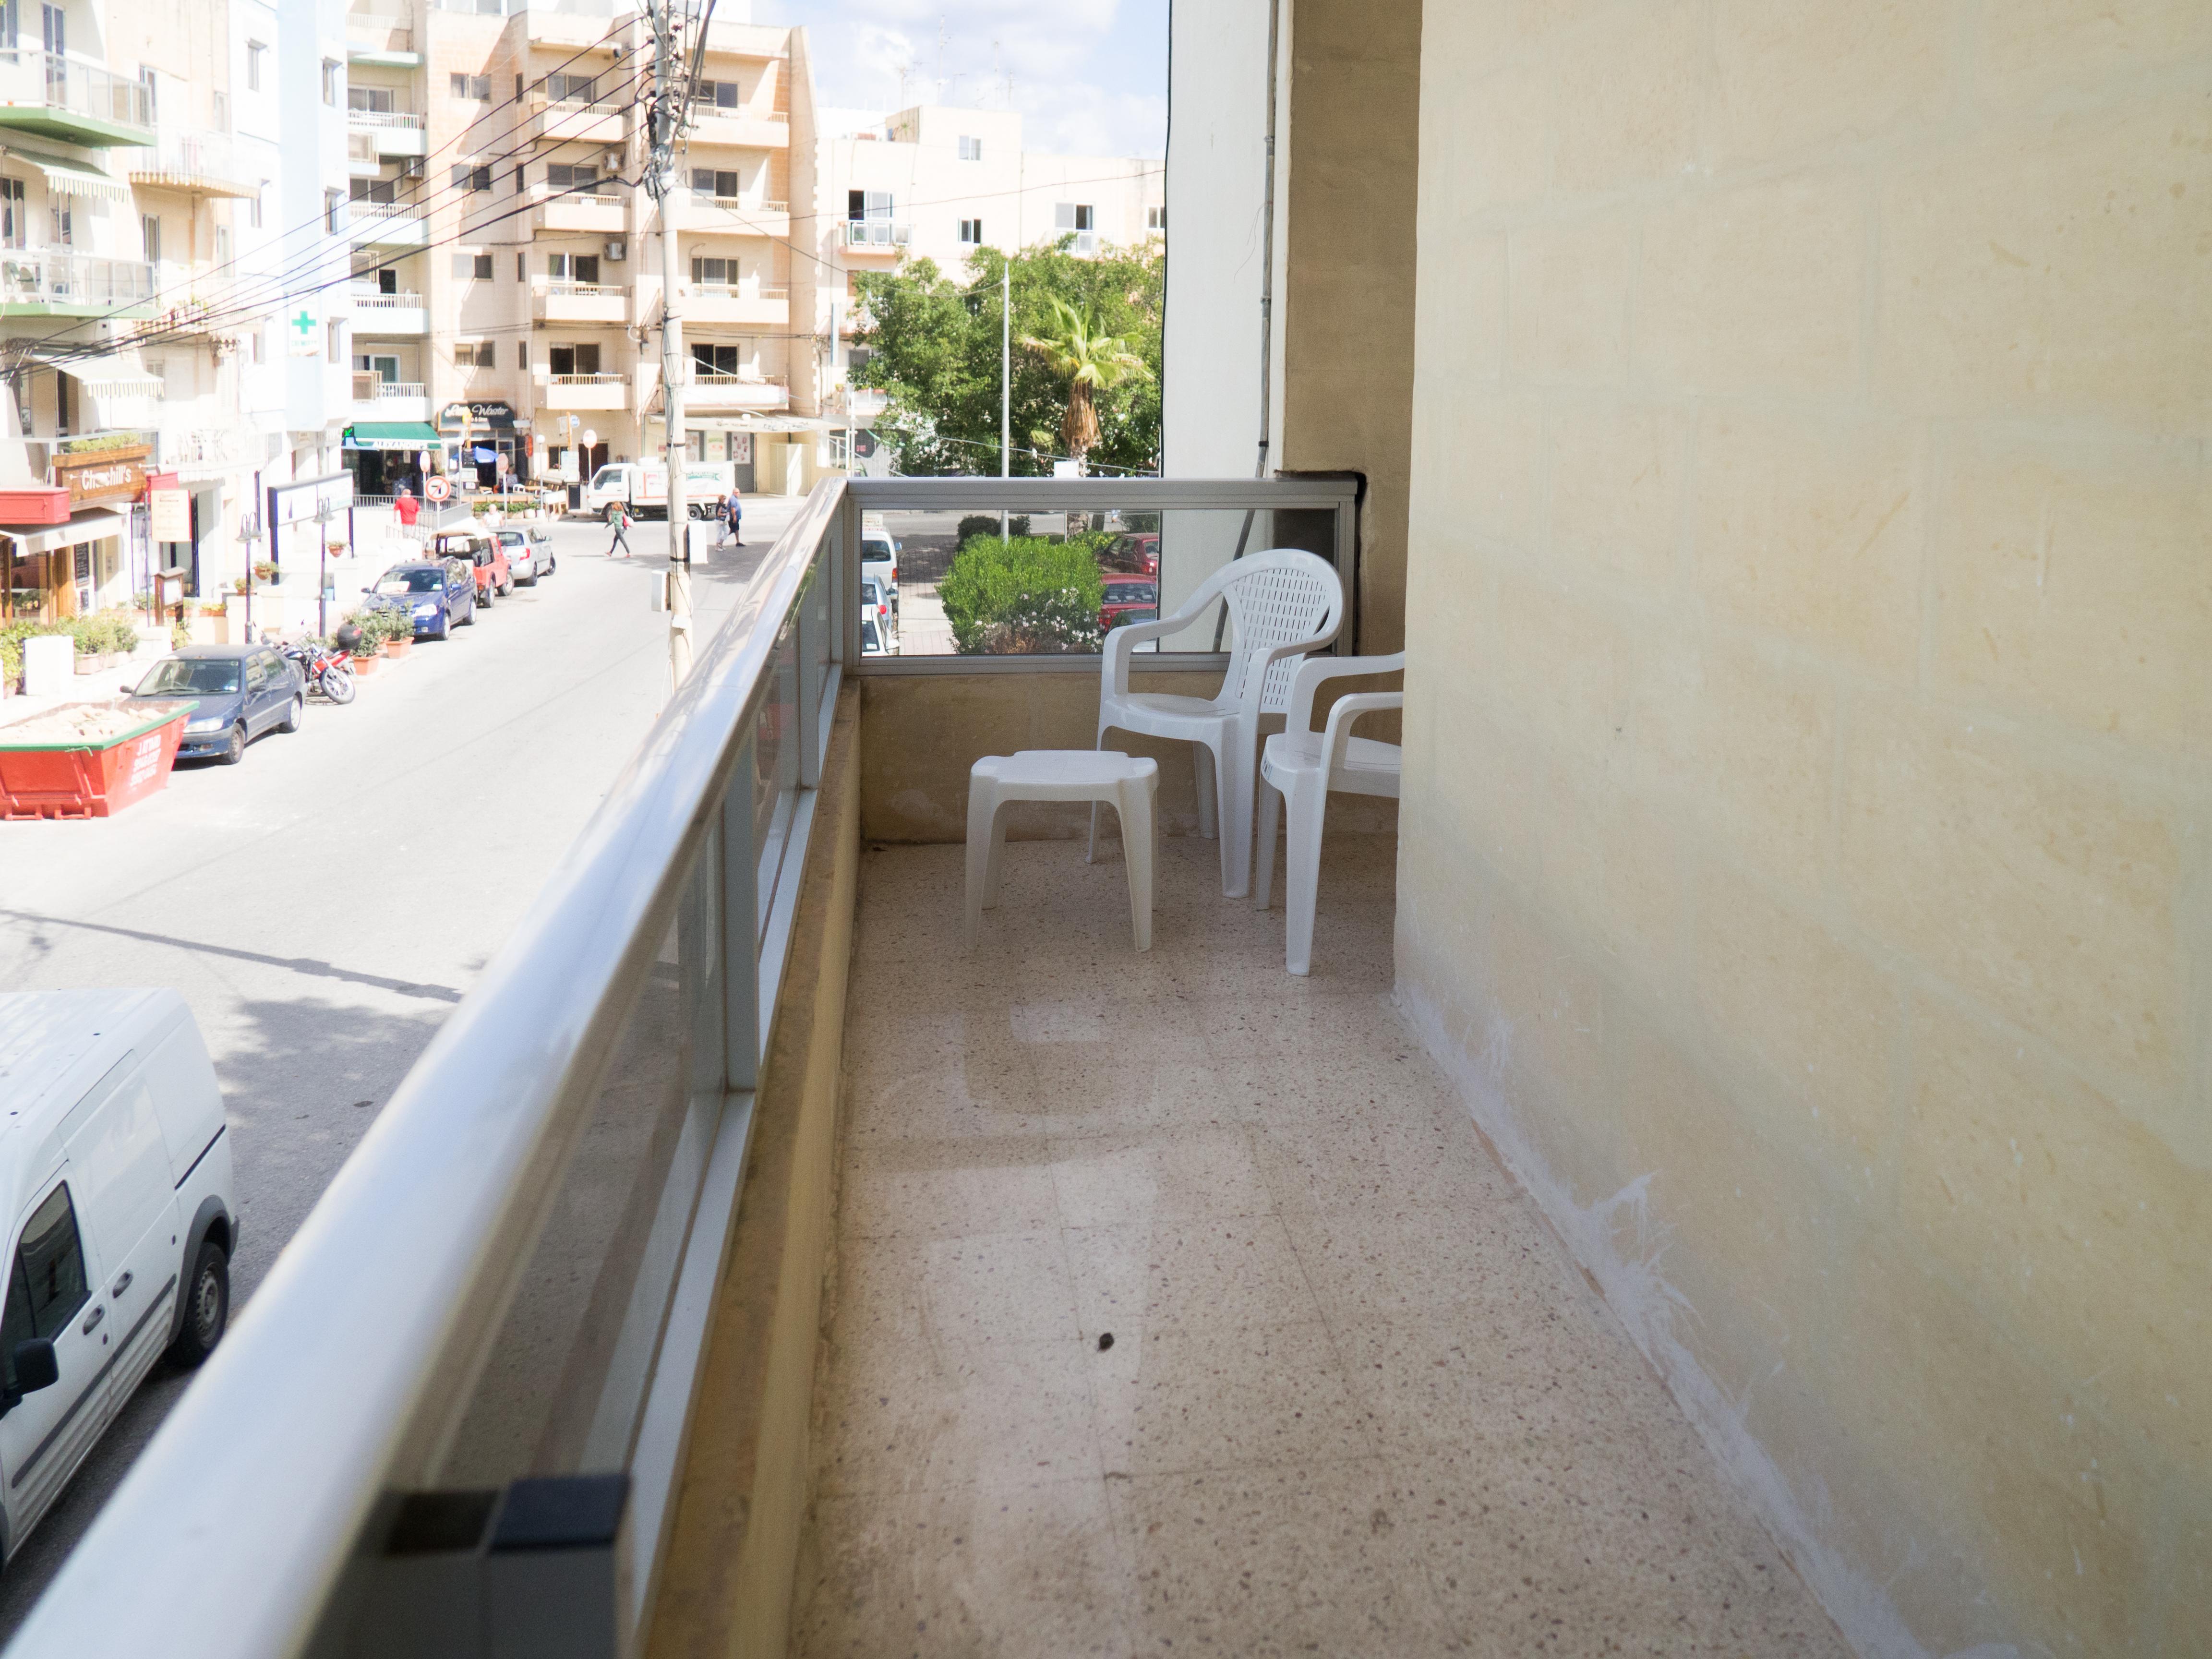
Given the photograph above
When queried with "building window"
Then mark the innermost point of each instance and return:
(54, 27)
(334, 215)
(333, 81)
(221, 246)
(575, 267)
(253, 51)
(475, 354)
(570, 88)
(221, 106)
(861, 205)
(472, 179)
(714, 273)
(257, 347)
(477, 87)
(572, 359)
(1156, 218)
(472, 267)
(717, 359)
(60, 222)
(253, 206)
(971, 232)
(1075, 218)
(522, 355)
(149, 232)
(566, 175)
(971, 149)
(13, 230)
(522, 267)
(334, 341)
(724, 95)
(374, 101)
(706, 181)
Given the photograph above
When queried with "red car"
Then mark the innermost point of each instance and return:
(484, 552)
(1129, 599)
(1134, 553)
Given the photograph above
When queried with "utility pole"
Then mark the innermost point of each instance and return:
(669, 93)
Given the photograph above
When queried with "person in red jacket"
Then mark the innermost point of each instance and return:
(406, 506)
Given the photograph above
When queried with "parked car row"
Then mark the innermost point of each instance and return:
(245, 690)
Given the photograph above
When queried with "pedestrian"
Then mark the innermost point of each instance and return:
(620, 522)
(736, 509)
(406, 506)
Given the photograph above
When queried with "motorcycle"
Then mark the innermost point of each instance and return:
(326, 670)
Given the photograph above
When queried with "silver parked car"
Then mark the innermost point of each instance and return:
(529, 553)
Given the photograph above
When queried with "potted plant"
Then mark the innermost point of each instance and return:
(265, 570)
(399, 634)
(368, 648)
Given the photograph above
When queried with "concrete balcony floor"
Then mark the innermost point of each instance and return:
(1358, 1399)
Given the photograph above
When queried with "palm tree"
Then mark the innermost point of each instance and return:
(1091, 362)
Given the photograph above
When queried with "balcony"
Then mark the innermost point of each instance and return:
(592, 214)
(380, 41)
(388, 133)
(737, 216)
(384, 224)
(732, 394)
(876, 236)
(49, 284)
(73, 103)
(555, 301)
(375, 400)
(744, 129)
(201, 163)
(566, 121)
(708, 303)
(583, 391)
(389, 316)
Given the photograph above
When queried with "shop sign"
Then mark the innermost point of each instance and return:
(173, 514)
(105, 475)
(491, 412)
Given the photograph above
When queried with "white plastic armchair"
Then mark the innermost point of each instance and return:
(1283, 603)
(1299, 767)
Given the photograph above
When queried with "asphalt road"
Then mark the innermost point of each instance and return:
(324, 904)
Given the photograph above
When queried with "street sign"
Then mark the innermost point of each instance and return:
(438, 490)
(172, 515)
(422, 461)
(591, 438)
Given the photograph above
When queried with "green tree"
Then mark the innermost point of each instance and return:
(933, 346)
(1093, 363)
(1029, 594)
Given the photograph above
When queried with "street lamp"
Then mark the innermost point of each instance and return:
(324, 514)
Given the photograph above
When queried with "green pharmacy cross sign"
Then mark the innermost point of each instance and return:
(303, 339)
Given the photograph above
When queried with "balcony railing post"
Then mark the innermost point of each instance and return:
(813, 622)
(845, 589)
(740, 939)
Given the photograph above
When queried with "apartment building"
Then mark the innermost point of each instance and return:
(140, 280)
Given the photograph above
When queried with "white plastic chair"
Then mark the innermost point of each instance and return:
(1282, 604)
(1300, 766)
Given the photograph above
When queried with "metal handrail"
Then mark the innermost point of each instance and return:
(338, 1380)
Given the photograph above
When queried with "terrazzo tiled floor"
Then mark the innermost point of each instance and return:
(1356, 1401)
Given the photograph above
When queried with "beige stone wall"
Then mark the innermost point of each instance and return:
(1809, 766)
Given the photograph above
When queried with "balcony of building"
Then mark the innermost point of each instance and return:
(389, 316)
(388, 133)
(73, 102)
(384, 224)
(552, 300)
(49, 283)
(883, 236)
(603, 211)
(736, 304)
(755, 213)
(376, 399)
(706, 393)
(583, 391)
(571, 120)
(381, 40)
(200, 163)
(741, 126)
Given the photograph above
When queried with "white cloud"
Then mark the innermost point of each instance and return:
(1088, 76)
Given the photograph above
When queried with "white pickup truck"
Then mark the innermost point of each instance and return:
(642, 487)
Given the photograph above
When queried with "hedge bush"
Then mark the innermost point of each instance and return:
(986, 523)
(1023, 596)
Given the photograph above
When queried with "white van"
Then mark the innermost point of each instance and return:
(115, 1173)
(642, 487)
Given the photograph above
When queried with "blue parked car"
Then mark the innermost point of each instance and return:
(243, 691)
(439, 594)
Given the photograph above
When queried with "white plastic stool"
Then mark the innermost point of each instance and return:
(1125, 784)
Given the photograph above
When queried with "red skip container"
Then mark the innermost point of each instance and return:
(45, 776)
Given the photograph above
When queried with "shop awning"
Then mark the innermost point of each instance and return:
(73, 178)
(409, 435)
(91, 524)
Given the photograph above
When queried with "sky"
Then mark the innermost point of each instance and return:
(1088, 76)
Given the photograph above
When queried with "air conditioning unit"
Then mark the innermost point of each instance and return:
(618, 251)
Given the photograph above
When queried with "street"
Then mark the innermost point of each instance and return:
(324, 904)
